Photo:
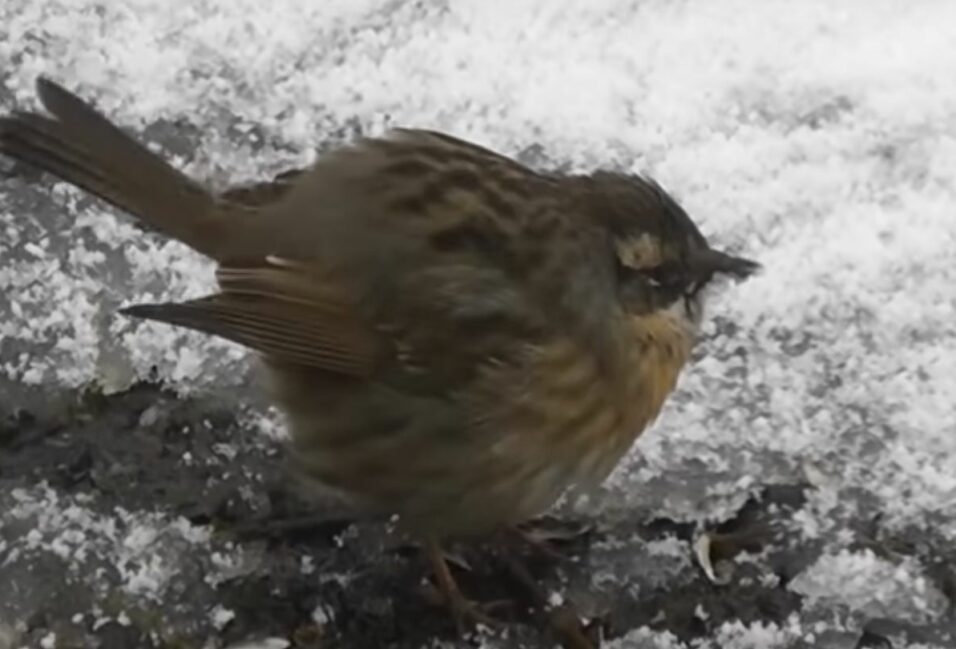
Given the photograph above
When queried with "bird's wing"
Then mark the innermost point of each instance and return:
(262, 194)
(451, 321)
(289, 312)
(431, 274)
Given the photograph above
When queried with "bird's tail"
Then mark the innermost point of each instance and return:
(79, 145)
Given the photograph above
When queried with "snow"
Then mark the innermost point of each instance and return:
(817, 138)
(221, 616)
(871, 586)
(143, 549)
(267, 643)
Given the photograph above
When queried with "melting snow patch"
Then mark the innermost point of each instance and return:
(871, 586)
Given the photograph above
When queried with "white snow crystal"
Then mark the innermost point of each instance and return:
(871, 586)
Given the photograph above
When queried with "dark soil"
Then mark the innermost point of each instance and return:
(370, 585)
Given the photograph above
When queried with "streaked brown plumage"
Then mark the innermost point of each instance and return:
(455, 337)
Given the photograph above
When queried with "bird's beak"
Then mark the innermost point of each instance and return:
(707, 261)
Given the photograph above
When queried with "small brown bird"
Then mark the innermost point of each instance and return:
(454, 337)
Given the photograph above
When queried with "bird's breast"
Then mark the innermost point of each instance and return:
(570, 416)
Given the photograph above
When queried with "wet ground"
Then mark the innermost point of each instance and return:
(272, 566)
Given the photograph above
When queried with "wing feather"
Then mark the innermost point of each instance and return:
(287, 311)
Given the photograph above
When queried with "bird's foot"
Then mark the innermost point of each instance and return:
(465, 612)
(550, 537)
(563, 619)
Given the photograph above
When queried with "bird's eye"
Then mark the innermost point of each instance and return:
(665, 276)
(644, 290)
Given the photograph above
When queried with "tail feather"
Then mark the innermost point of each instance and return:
(38, 141)
(82, 147)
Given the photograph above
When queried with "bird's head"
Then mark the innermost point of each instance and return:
(662, 260)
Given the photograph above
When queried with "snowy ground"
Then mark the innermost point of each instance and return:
(819, 140)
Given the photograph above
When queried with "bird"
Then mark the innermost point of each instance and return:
(454, 337)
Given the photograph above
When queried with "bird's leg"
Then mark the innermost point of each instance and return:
(564, 619)
(462, 609)
(546, 536)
